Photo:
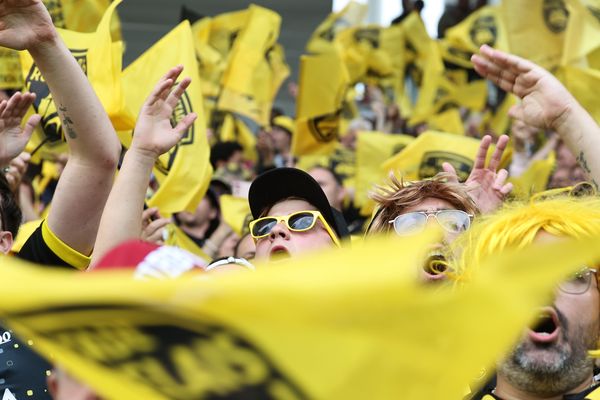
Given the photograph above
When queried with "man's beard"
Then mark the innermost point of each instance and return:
(555, 368)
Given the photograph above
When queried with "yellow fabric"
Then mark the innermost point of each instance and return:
(423, 157)
(234, 129)
(10, 69)
(322, 39)
(236, 213)
(484, 26)
(371, 148)
(582, 36)
(322, 88)
(500, 120)
(176, 237)
(101, 60)
(535, 178)
(184, 172)
(536, 31)
(81, 15)
(447, 121)
(62, 250)
(255, 69)
(265, 330)
(581, 82)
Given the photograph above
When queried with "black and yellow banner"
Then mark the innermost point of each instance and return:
(260, 334)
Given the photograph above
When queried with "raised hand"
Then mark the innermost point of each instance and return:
(486, 185)
(13, 138)
(545, 101)
(153, 226)
(153, 132)
(25, 24)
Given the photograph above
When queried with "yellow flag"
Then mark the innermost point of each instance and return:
(448, 121)
(423, 158)
(256, 67)
(484, 26)
(537, 31)
(236, 213)
(322, 40)
(10, 69)
(371, 148)
(234, 129)
(579, 81)
(100, 59)
(81, 15)
(184, 172)
(178, 238)
(535, 178)
(260, 334)
(322, 88)
(582, 36)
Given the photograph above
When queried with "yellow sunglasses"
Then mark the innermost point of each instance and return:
(300, 221)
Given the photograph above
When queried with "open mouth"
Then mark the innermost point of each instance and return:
(279, 253)
(546, 328)
(435, 264)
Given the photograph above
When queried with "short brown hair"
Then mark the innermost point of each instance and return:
(392, 199)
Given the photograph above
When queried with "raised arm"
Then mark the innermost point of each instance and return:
(545, 103)
(153, 136)
(94, 147)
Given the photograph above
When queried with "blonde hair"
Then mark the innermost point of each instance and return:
(392, 199)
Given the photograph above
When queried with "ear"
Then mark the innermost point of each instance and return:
(52, 382)
(6, 241)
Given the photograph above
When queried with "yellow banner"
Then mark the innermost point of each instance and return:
(259, 334)
(184, 172)
(322, 89)
(423, 158)
(322, 39)
(256, 67)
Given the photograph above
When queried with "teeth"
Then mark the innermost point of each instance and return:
(544, 334)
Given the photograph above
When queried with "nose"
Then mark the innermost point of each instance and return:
(280, 230)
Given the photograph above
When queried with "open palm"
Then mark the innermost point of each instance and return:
(13, 138)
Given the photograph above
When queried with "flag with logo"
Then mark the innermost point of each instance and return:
(100, 59)
(184, 172)
(259, 334)
(322, 39)
(371, 148)
(322, 89)
(537, 31)
(423, 157)
(484, 26)
(256, 67)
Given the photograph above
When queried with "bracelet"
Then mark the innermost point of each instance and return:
(230, 260)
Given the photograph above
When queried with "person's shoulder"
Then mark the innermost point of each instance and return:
(44, 247)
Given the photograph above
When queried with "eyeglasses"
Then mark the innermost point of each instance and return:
(579, 283)
(300, 221)
(581, 189)
(453, 221)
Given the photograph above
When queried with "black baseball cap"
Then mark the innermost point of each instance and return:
(281, 183)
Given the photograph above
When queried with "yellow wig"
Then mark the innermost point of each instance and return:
(517, 224)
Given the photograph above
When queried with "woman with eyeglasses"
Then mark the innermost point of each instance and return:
(407, 207)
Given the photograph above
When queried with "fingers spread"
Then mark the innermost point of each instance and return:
(497, 156)
(482, 152)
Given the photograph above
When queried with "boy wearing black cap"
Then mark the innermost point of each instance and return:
(292, 215)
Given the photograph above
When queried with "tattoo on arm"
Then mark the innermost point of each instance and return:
(583, 162)
(67, 123)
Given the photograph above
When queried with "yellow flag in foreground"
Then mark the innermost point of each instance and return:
(423, 158)
(184, 172)
(349, 324)
(100, 59)
(322, 89)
